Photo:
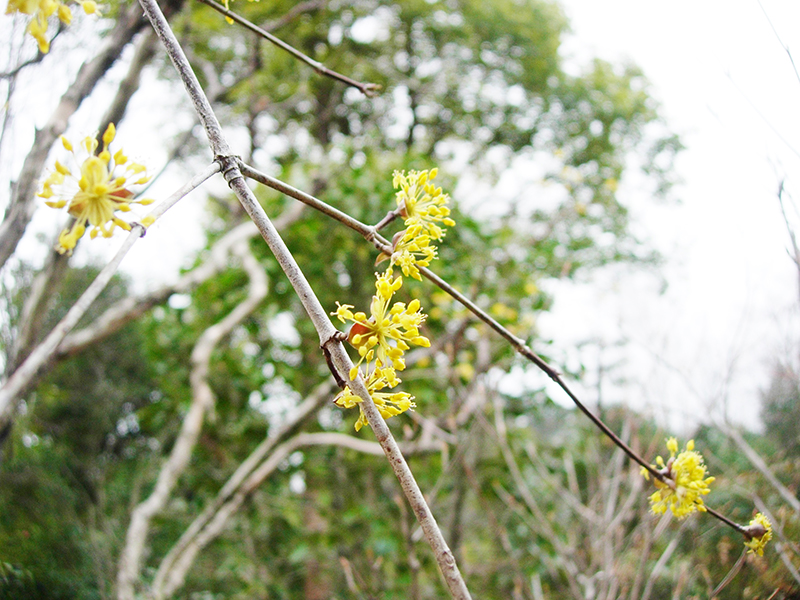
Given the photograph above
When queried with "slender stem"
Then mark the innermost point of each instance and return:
(368, 89)
(390, 216)
(381, 244)
(309, 200)
(329, 339)
(724, 519)
(519, 345)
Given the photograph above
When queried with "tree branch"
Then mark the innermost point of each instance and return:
(319, 317)
(368, 89)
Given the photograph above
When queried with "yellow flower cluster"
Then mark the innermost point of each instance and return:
(686, 481)
(759, 532)
(41, 10)
(423, 206)
(100, 191)
(383, 337)
(388, 404)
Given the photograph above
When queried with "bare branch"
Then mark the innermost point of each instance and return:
(368, 89)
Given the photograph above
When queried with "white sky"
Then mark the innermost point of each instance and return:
(731, 299)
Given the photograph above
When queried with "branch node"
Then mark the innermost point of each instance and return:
(229, 167)
(142, 228)
(336, 337)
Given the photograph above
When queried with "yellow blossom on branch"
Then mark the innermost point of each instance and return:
(388, 404)
(686, 481)
(759, 532)
(421, 204)
(411, 253)
(95, 191)
(386, 334)
(41, 10)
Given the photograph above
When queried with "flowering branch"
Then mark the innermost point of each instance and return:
(41, 355)
(22, 205)
(665, 478)
(328, 334)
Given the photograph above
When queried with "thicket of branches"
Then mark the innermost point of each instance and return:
(183, 442)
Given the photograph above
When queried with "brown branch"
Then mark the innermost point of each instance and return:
(368, 89)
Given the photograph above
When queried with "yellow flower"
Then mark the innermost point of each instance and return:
(387, 333)
(686, 481)
(41, 10)
(758, 533)
(388, 404)
(421, 204)
(101, 190)
(411, 253)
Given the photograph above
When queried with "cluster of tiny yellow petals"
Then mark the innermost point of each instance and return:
(759, 532)
(411, 253)
(41, 10)
(388, 404)
(423, 207)
(385, 335)
(422, 204)
(686, 484)
(95, 190)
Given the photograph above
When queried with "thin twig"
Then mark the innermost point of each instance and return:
(780, 41)
(371, 235)
(370, 90)
(731, 574)
(382, 245)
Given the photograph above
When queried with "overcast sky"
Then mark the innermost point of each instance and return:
(727, 86)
